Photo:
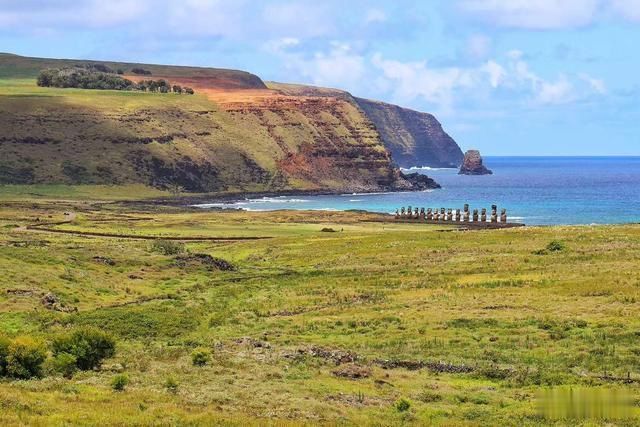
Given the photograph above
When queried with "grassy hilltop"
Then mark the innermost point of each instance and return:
(372, 324)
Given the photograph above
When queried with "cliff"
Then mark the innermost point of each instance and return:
(412, 137)
(235, 135)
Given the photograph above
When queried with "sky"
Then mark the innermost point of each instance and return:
(508, 77)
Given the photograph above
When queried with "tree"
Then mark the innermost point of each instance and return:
(4, 352)
(66, 364)
(152, 85)
(25, 357)
(88, 345)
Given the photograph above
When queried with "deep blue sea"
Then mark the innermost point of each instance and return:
(534, 190)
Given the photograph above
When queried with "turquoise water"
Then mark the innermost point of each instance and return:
(534, 190)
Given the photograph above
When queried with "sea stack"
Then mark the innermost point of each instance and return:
(472, 164)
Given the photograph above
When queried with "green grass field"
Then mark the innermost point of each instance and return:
(317, 327)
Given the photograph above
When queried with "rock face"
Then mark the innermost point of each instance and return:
(420, 182)
(412, 137)
(236, 135)
(472, 164)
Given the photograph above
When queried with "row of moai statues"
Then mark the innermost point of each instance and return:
(448, 215)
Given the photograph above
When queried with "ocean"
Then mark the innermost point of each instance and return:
(534, 190)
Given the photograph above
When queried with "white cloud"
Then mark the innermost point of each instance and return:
(512, 81)
(532, 14)
(36, 16)
(558, 92)
(496, 73)
(282, 44)
(374, 16)
(416, 79)
(628, 9)
(478, 46)
(596, 84)
(340, 67)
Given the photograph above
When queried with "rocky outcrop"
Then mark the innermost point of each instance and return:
(472, 164)
(412, 137)
(420, 182)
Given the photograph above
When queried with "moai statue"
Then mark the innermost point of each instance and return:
(458, 217)
(466, 207)
(397, 214)
(429, 214)
(467, 214)
(422, 213)
(443, 214)
(449, 214)
(436, 214)
(503, 216)
(483, 216)
(409, 211)
(494, 213)
(402, 212)
(416, 213)
(475, 215)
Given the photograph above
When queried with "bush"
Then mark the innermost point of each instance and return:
(88, 345)
(402, 405)
(200, 357)
(141, 71)
(65, 364)
(171, 385)
(556, 246)
(167, 247)
(4, 352)
(25, 357)
(120, 382)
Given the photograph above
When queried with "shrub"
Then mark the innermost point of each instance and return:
(4, 352)
(141, 71)
(200, 357)
(120, 382)
(171, 385)
(167, 247)
(402, 405)
(428, 396)
(25, 357)
(88, 345)
(65, 364)
(556, 246)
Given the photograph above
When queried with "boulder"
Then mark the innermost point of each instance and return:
(472, 164)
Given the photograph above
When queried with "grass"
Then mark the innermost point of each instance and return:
(521, 322)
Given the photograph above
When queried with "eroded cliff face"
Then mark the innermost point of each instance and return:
(412, 137)
(235, 135)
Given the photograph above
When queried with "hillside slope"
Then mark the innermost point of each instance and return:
(234, 135)
(412, 137)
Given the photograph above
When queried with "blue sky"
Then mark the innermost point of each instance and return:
(510, 77)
